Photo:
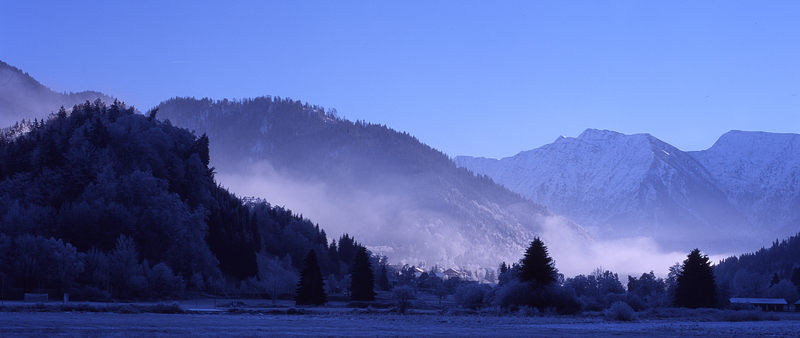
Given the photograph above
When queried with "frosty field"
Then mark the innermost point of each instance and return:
(148, 324)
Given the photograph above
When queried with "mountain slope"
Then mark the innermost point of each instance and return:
(760, 174)
(22, 97)
(622, 185)
(398, 195)
(80, 182)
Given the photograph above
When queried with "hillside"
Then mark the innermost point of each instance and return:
(398, 195)
(104, 201)
(626, 185)
(752, 274)
(22, 97)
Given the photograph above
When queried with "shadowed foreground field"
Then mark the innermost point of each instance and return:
(148, 324)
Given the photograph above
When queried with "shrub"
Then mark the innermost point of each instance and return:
(163, 282)
(403, 295)
(565, 301)
(620, 311)
(636, 302)
(511, 295)
(470, 296)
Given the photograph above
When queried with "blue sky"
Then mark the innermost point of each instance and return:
(469, 78)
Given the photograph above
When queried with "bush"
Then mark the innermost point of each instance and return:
(164, 283)
(470, 296)
(620, 311)
(511, 295)
(403, 295)
(636, 302)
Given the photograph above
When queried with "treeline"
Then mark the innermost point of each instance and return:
(772, 272)
(105, 203)
(534, 285)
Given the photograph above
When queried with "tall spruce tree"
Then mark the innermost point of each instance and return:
(310, 288)
(537, 267)
(696, 287)
(362, 285)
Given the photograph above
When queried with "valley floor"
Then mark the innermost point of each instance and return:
(345, 324)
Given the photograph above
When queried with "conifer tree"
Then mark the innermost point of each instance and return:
(362, 286)
(310, 288)
(696, 287)
(537, 267)
(383, 279)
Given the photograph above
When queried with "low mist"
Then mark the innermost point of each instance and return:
(409, 233)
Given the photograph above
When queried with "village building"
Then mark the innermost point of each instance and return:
(765, 304)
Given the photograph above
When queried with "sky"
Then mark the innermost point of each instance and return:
(487, 78)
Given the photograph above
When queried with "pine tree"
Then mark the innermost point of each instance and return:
(383, 279)
(696, 287)
(362, 286)
(537, 267)
(310, 288)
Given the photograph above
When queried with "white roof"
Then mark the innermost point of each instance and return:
(777, 301)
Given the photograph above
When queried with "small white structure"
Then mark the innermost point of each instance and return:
(765, 304)
(450, 273)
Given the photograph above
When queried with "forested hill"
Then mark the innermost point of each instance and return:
(754, 274)
(22, 97)
(390, 190)
(96, 199)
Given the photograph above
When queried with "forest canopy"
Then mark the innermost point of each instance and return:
(102, 185)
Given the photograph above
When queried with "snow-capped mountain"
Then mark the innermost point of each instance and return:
(624, 185)
(760, 174)
(397, 195)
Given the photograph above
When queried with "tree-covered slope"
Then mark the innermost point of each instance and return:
(105, 182)
(755, 274)
(392, 191)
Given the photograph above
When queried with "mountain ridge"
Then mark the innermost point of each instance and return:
(599, 166)
(448, 215)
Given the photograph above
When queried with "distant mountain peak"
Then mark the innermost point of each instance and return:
(624, 185)
(591, 133)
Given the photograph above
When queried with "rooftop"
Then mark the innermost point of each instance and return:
(777, 301)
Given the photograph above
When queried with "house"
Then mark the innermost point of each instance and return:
(797, 306)
(450, 273)
(765, 304)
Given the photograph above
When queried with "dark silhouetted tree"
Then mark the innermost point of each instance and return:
(537, 267)
(362, 286)
(310, 288)
(696, 287)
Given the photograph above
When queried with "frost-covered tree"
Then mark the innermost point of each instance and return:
(784, 289)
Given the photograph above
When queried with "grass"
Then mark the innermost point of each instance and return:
(709, 315)
(83, 307)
